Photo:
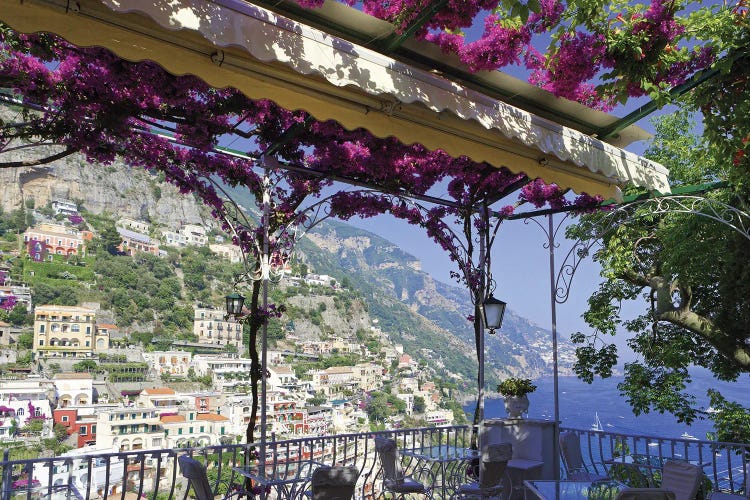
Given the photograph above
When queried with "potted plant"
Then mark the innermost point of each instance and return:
(514, 391)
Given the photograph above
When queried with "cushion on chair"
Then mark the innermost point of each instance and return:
(682, 478)
(645, 494)
(195, 472)
(404, 485)
(389, 459)
(334, 483)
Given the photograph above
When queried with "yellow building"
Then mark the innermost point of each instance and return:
(65, 331)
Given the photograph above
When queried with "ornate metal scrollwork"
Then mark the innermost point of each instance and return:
(735, 219)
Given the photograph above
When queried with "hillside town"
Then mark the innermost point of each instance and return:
(90, 386)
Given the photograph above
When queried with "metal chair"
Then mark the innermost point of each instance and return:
(682, 478)
(334, 483)
(195, 473)
(492, 469)
(394, 480)
(645, 494)
(572, 458)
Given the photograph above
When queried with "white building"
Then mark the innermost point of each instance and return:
(228, 373)
(230, 252)
(73, 389)
(173, 239)
(23, 399)
(163, 399)
(173, 363)
(194, 235)
(189, 428)
(129, 428)
(136, 225)
(64, 207)
(318, 279)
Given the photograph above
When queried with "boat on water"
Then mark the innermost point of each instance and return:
(597, 425)
(687, 435)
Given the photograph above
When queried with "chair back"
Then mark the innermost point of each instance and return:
(494, 462)
(334, 483)
(389, 458)
(645, 494)
(195, 473)
(570, 452)
(682, 478)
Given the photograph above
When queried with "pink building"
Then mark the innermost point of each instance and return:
(59, 240)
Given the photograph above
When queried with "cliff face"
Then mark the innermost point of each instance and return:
(116, 189)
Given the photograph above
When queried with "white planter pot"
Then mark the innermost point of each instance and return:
(516, 406)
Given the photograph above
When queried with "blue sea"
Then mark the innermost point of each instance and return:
(580, 403)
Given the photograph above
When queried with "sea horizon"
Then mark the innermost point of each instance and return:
(582, 404)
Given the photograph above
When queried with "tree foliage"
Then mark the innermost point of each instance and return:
(688, 272)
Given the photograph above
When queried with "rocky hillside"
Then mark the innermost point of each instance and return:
(99, 188)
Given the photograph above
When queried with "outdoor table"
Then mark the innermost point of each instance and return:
(574, 490)
(289, 480)
(448, 463)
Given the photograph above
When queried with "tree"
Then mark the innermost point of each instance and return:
(693, 314)
(419, 404)
(19, 316)
(60, 432)
(87, 365)
(110, 239)
(26, 340)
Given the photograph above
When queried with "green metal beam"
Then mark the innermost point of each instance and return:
(395, 40)
(652, 106)
(679, 190)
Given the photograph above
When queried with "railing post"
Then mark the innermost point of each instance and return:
(7, 476)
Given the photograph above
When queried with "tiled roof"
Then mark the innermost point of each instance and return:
(106, 325)
(212, 417)
(171, 419)
(159, 391)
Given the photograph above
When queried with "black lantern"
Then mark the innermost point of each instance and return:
(493, 311)
(235, 301)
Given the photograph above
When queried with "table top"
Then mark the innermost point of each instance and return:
(574, 490)
(303, 472)
(441, 453)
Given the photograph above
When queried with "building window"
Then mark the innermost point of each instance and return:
(179, 431)
(190, 430)
(93, 429)
(41, 342)
(202, 429)
(19, 412)
(82, 430)
(64, 418)
(156, 442)
(75, 328)
(41, 328)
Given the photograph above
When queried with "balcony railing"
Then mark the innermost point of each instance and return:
(147, 473)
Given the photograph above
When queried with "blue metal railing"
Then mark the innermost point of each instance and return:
(148, 473)
(726, 465)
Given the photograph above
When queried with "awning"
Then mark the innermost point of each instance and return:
(237, 44)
